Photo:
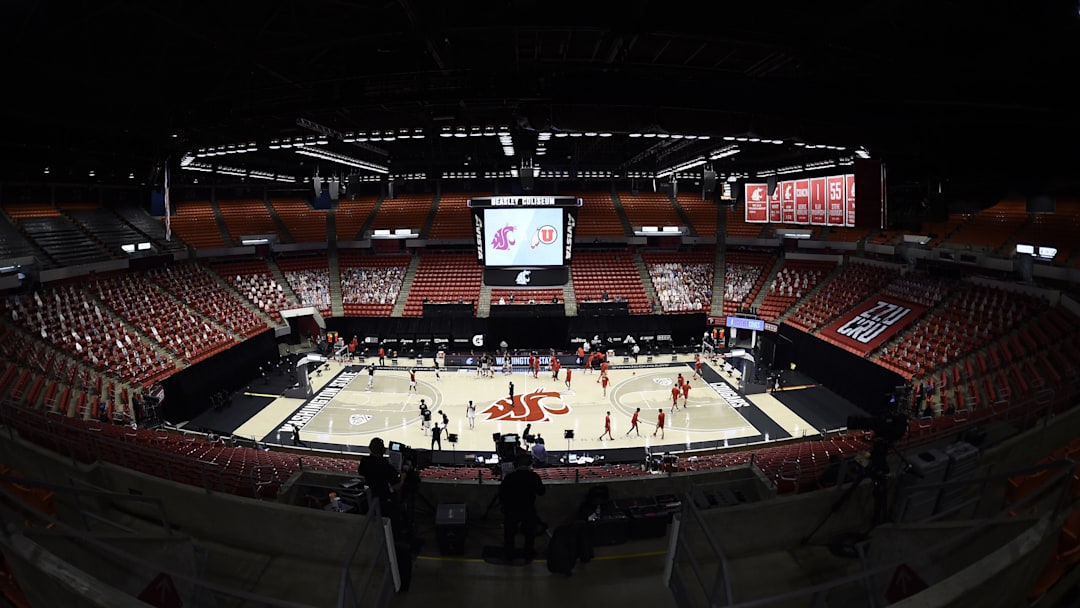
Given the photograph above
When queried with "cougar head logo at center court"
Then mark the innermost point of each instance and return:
(537, 406)
(504, 238)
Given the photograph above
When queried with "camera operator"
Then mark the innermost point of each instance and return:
(382, 480)
(518, 493)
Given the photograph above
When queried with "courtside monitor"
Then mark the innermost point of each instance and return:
(524, 241)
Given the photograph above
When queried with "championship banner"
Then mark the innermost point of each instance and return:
(835, 200)
(849, 181)
(775, 214)
(787, 201)
(817, 201)
(757, 203)
(871, 323)
(802, 201)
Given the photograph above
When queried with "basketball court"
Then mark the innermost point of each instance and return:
(344, 413)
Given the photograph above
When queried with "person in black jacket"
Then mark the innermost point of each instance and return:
(518, 494)
(379, 475)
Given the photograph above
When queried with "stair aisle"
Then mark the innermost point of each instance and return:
(569, 299)
(625, 221)
(813, 291)
(406, 286)
(240, 297)
(483, 306)
(280, 278)
(646, 279)
(768, 281)
(282, 230)
(337, 306)
(220, 219)
(716, 306)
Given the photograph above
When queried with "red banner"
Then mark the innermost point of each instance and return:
(802, 201)
(849, 181)
(817, 201)
(775, 214)
(835, 200)
(757, 203)
(787, 202)
(871, 323)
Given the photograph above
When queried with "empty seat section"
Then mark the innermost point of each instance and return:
(838, 234)
(595, 273)
(597, 216)
(682, 280)
(453, 218)
(309, 279)
(989, 229)
(371, 284)
(63, 240)
(701, 213)
(201, 290)
(738, 227)
(406, 211)
(253, 280)
(106, 227)
(351, 215)
(195, 222)
(150, 226)
(649, 209)
(1058, 229)
(247, 217)
(444, 277)
(305, 225)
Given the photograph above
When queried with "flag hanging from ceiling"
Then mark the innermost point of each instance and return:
(168, 210)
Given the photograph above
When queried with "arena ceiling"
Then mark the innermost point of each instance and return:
(932, 87)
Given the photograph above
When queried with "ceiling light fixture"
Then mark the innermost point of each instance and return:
(341, 159)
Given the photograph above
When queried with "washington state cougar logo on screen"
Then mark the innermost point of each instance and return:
(503, 238)
(536, 406)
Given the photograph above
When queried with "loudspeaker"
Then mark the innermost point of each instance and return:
(710, 181)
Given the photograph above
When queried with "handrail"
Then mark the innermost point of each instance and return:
(140, 562)
(1059, 481)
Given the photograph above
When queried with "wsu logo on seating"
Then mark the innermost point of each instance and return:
(537, 406)
(503, 238)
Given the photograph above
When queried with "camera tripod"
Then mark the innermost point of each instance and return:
(877, 471)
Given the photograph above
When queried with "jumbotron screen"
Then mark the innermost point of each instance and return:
(524, 231)
(523, 237)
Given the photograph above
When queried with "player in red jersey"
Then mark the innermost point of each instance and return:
(659, 425)
(604, 383)
(555, 367)
(633, 423)
(697, 366)
(685, 393)
(569, 372)
(680, 381)
(412, 380)
(607, 427)
(675, 390)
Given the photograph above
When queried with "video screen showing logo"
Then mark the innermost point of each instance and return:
(504, 238)
(537, 406)
(523, 237)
